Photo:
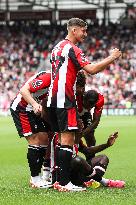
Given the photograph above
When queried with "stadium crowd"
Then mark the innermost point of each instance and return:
(25, 49)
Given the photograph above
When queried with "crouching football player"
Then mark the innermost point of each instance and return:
(85, 102)
(26, 113)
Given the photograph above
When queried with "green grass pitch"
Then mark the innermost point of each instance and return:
(14, 172)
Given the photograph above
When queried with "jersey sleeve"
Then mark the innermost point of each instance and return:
(99, 105)
(78, 58)
(40, 82)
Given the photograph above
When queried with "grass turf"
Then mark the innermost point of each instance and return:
(14, 172)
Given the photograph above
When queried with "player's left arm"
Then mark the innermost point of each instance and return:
(26, 94)
(93, 125)
(34, 84)
(96, 116)
(98, 111)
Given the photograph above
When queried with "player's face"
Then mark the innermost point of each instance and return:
(80, 33)
(87, 105)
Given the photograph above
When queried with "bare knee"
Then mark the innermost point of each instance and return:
(67, 138)
(40, 138)
(104, 159)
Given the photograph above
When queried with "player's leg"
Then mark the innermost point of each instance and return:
(100, 159)
(31, 127)
(37, 145)
(100, 164)
(80, 169)
(54, 159)
(67, 123)
(67, 139)
(40, 139)
(47, 160)
(65, 156)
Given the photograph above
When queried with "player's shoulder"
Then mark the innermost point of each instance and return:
(61, 44)
(100, 101)
(43, 74)
(75, 47)
(100, 95)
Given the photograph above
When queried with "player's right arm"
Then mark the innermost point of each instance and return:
(100, 66)
(26, 94)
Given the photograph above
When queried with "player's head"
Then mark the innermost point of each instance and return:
(90, 99)
(80, 84)
(77, 27)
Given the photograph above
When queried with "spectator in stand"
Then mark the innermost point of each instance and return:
(26, 48)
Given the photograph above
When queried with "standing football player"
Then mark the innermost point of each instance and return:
(66, 60)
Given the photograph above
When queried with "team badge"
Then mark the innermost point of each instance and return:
(37, 83)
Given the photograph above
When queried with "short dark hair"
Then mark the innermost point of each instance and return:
(91, 96)
(81, 79)
(76, 22)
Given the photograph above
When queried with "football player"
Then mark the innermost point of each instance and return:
(26, 112)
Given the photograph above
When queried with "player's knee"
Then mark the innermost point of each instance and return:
(104, 160)
(99, 171)
(67, 138)
(76, 162)
(40, 138)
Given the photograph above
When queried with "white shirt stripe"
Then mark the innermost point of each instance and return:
(16, 101)
(62, 78)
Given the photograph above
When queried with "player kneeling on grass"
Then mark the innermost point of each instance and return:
(26, 113)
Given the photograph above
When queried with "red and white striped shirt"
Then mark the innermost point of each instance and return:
(66, 60)
(39, 85)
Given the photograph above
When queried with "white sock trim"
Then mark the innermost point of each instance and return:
(100, 168)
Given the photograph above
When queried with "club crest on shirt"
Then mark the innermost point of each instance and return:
(37, 83)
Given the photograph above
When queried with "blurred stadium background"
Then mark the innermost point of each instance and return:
(30, 28)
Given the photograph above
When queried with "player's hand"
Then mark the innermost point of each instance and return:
(37, 108)
(115, 53)
(112, 138)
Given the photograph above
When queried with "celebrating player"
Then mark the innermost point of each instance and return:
(26, 113)
(66, 60)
